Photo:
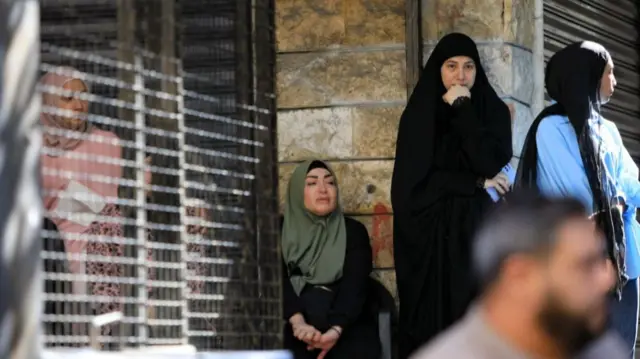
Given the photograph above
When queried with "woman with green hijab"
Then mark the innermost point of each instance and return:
(326, 266)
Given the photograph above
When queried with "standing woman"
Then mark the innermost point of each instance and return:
(81, 169)
(453, 140)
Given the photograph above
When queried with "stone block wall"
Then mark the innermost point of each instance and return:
(341, 90)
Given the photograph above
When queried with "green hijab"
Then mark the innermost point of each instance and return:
(316, 245)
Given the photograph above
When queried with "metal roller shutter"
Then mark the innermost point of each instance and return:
(614, 24)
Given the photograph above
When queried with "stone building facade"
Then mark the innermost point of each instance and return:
(342, 85)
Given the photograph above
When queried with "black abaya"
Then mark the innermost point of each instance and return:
(442, 152)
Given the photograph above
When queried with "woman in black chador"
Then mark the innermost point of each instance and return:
(454, 138)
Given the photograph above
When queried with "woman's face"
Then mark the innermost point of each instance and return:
(607, 83)
(71, 102)
(458, 70)
(320, 192)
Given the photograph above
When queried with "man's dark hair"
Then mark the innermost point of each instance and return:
(526, 223)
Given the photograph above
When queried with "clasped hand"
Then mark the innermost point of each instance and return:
(314, 339)
(455, 92)
(500, 182)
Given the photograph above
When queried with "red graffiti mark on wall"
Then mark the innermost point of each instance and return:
(382, 236)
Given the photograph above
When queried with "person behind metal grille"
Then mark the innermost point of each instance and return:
(545, 279)
(81, 169)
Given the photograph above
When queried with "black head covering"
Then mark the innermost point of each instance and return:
(414, 191)
(416, 132)
(317, 164)
(572, 79)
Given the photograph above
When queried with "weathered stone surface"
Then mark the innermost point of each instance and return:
(353, 178)
(312, 80)
(374, 22)
(319, 133)
(478, 18)
(521, 122)
(375, 130)
(522, 75)
(309, 24)
(507, 20)
(509, 69)
(341, 132)
(388, 278)
(380, 228)
(522, 24)
(303, 25)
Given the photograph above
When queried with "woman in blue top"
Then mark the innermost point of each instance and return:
(571, 150)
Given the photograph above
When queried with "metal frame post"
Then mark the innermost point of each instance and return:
(184, 252)
(21, 216)
(141, 200)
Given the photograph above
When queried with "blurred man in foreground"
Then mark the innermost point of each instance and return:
(545, 276)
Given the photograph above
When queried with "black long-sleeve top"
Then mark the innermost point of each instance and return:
(466, 152)
(351, 290)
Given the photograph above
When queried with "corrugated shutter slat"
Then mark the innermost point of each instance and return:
(614, 24)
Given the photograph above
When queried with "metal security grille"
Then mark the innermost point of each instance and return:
(159, 173)
(614, 24)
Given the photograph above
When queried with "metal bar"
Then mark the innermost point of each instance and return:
(126, 38)
(184, 255)
(141, 199)
(413, 43)
(97, 323)
(246, 94)
(21, 216)
(254, 15)
(266, 192)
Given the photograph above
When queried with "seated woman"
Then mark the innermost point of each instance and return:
(326, 267)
